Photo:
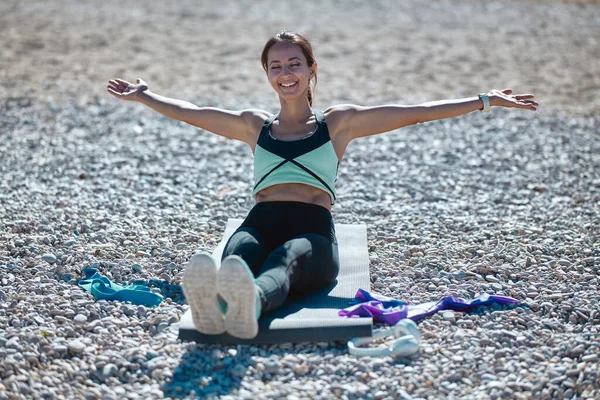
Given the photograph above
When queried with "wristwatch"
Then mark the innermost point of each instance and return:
(486, 102)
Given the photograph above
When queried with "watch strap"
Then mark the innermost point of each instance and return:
(486, 102)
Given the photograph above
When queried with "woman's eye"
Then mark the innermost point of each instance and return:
(276, 67)
(295, 65)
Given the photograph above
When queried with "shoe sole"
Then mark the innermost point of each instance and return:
(236, 287)
(199, 286)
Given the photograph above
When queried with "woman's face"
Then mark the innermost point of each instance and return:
(288, 71)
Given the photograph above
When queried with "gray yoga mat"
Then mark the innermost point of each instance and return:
(313, 317)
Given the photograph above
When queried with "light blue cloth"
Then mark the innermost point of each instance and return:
(102, 288)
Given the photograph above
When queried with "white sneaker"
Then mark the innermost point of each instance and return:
(236, 286)
(199, 286)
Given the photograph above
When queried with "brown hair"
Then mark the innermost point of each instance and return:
(299, 40)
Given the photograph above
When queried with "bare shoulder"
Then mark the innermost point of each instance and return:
(255, 119)
(337, 118)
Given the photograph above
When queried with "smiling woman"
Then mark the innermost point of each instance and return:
(287, 244)
(285, 44)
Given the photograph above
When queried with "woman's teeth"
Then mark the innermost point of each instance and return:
(288, 84)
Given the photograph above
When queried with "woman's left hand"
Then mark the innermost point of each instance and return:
(504, 98)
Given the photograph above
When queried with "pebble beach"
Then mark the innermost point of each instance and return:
(505, 202)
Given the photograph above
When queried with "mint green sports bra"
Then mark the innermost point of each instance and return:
(311, 161)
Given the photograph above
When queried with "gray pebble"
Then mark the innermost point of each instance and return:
(59, 348)
(13, 343)
(50, 258)
(93, 325)
(136, 267)
(272, 367)
(150, 354)
(76, 346)
(110, 370)
(448, 315)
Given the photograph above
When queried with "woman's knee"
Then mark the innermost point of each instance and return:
(317, 260)
(249, 245)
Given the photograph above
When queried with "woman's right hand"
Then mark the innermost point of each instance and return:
(125, 90)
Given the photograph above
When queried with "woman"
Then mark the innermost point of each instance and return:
(287, 243)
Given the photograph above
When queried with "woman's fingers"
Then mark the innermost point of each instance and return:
(524, 96)
(528, 105)
(114, 84)
(122, 82)
(113, 92)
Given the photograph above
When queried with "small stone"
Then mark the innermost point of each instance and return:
(489, 377)
(492, 278)
(13, 343)
(127, 310)
(94, 324)
(537, 356)
(136, 268)
(465, 322)
(300, 369)
(459, 274)
(272, 367)
(110, 370)
(579, 349)
(448, 316)
(459, 335)
(70, 243)
(50, 258)
(76, 346)
(59, 348)
(80, 319)
(162, 326)
(589, 357)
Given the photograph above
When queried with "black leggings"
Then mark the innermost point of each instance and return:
(290, 247)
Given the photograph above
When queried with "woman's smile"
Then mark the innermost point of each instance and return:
(289, 84)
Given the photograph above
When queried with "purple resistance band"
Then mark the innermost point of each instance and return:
(390, 311)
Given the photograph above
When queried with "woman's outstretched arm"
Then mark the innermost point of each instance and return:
(365, 121)
(240, 125)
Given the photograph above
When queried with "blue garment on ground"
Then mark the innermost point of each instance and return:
(390, 311)
(102, 288)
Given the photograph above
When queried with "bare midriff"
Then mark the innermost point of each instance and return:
(294, 192)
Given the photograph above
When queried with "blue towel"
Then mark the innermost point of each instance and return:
(102, 288)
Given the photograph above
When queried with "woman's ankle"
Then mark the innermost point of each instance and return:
(259, 299)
